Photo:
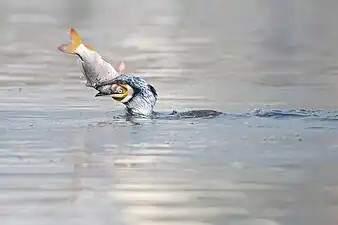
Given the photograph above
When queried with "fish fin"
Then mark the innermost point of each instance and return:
(66, 48)
(121, 68)
(76, 42)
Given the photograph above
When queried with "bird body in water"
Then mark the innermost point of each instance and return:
(140, 98)
(134, 92)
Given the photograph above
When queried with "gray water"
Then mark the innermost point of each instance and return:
(69, 158)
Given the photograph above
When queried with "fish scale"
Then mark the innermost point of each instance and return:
(96, 69)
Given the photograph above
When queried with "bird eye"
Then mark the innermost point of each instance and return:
(120, 91)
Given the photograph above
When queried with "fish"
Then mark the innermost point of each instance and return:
(94, 67)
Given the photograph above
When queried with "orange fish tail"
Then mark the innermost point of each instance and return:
(76, 42)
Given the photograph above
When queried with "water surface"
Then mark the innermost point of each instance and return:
(270, 66)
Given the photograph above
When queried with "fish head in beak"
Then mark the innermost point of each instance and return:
(119, 92)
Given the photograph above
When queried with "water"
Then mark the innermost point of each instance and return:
(69, 158)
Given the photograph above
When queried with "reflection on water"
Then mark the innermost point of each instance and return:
(67, 157)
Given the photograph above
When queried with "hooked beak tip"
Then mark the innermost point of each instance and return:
(99, 94)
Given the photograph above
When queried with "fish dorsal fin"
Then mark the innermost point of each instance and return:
(121, 68)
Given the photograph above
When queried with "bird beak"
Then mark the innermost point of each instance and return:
(100, 94)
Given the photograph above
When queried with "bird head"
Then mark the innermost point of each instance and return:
(135, 93)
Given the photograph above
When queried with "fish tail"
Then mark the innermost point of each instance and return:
(76, 40)
(76, 43)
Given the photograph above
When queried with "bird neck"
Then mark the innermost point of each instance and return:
(141, 105)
